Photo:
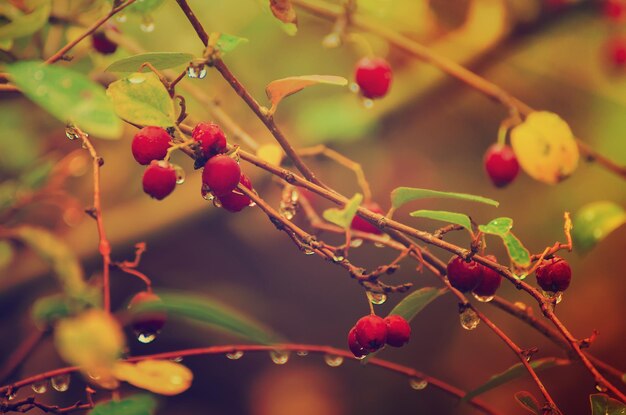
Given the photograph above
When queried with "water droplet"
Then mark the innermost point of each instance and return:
(202, 73)
(61, 383)
(11, 394)
(287, 210)
(308, 251)
(136, 79)
(601, 388)
(252, 204)
(279, 357)
(355, 243)
(94, 375)
(331, 41)
(38, 75)
(71, 133)
(469, 319)
(121, 17)
(145, 337)
(217, 203)
(338, 258)
(177, 359)
(368, 103)
(483, 298)
(302, 353)
(236, 355)
(147, 24)
(180, 174)
(40, 387)
(354, 87)
(417, 383)
(377, 298)
(555, 296)
(333, 360)
(192, 72)
(41, 90)
(520, 305)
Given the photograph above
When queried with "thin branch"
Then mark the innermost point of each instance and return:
(19, 355)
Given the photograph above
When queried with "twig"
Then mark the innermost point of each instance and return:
(19, 355)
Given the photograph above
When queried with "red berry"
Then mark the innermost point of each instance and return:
(501, 164)
(371, 332)
(210, 137)
(554, 274)
(236, 201)
(614, 9)
(360, 224)
(150, 143)
(159, 179)
(373, 75)
(490, 281)
(616, 51)
(355, 347)
(102, 44)
(221, 174)
(463, 275)
(398, 331)
(147, 323)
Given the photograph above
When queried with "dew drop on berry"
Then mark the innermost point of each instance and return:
(192, 72)
(279, 357)
(40, 387)
(147, 24)
(121, 17)
(302, 353)
(180, 174)
(202, 73)
(355, 243)
(11, 395)
(418, 383)
(61, 383)
(333, 360)
(354, 87)
(483, 298)
(177, 359)
(216, 202)
(287, 210)
(145, 337)
(206, 193)
(252, 203)
(557, 297)
(377, 298)
(469, 319)
(235, 355)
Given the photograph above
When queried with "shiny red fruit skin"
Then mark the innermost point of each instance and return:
(159, 180)
(554, 274)
(616, 51)
(211, 138)
(373, 75)
(398, 331)
(614, 9)
(102, 44)
(236, 201)
(355, 347)
(371, 332)
(490, 281)
(149, 321)
(464, 276)
(360, 224)
(221, 174)
(150, 143)
(501, 164)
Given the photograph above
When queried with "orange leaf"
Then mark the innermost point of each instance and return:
(284, 11)
(159, 376)
(282, 88)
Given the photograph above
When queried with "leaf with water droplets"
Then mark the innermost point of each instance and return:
(284, 11)
(142, 99)
(132, 405)
(444, 216)
(68, 95)
(281, 88)
(24, 24)
(602, 404)
(511, 373)
(594, 222)
(502, 227)
(402, 195)
(528, 402)
(160, 60)
(159, 376)
(343, 217)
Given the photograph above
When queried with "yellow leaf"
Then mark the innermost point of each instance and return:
(281, 88)
(159, 376)
(271, 153)
(545, 147)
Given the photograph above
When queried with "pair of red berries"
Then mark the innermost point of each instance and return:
(148, 323)
(373, 76)
(501, 164)
(554, 274)
(468, 276)
(149, 147)
(371, 333)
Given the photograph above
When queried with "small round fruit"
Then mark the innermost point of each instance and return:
(159, 179)
(102, 44)
(150, 143)
(614, 9)
(463, 275)
(221, 174)
(398, 331)
(501, 164)
(490, 281)
(360, 224)
(554, 274)
(211, 138)
(355, 347)
(371, 332)
(616, 51)
(236, 201)
(373, 75)
(146, 322)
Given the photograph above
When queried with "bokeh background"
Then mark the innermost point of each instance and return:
(430, 131)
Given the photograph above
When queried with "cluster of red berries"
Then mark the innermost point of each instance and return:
(373, 76)
(501, 164)
(148, 323)
(468, 276)
(371, 333)
(615, 47)
(221, 173)
(102, 44)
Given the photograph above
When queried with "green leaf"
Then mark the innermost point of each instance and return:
(402, 195)
(160, 60)
(601, 404)
(343, 217)
(68, 95)
(528, 402)
(444, 216)
(281, 88)
(511, 373)
(6, 254)
(27, 24)
(210, 311)
(498, 226)
(516, 250)
(142, 6)
(132, 405)
(594, 222)
(47, 310)
(142, 99)
(227, 43)
(64, 263)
